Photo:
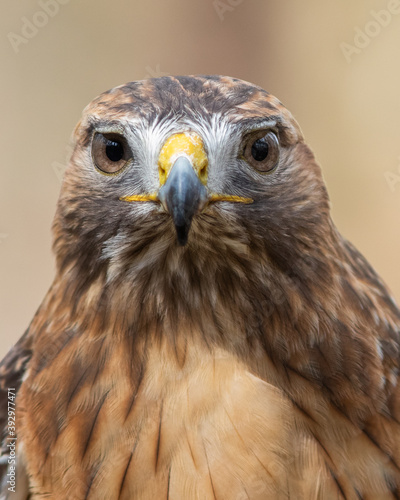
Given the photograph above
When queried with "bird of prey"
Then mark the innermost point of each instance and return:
(209, 334)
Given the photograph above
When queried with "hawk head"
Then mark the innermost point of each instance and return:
(190, 189)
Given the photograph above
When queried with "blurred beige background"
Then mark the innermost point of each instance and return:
(348, 108)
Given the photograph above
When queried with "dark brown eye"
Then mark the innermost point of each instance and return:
(110, 152)
(261, 150)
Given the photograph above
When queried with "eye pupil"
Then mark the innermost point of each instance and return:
(114, 150)
(259, 150)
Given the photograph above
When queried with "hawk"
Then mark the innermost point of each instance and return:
(209, 334)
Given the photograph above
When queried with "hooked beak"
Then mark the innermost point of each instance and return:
(183, 195)
(183, 174)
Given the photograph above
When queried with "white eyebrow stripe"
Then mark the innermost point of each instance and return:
(248, 125)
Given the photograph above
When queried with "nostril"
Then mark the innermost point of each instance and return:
(202, 173)
(162, 174)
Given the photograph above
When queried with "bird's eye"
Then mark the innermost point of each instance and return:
(110, 152)
(261, 150)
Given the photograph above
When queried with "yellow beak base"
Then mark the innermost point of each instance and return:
(186, 144)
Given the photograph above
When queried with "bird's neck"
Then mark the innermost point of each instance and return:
(316, 303)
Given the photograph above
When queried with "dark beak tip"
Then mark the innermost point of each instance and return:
(182, 233)
(183, 194)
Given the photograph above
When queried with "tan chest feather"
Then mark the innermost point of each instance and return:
(203, 430)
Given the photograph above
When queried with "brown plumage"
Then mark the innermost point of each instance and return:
(228, 345)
